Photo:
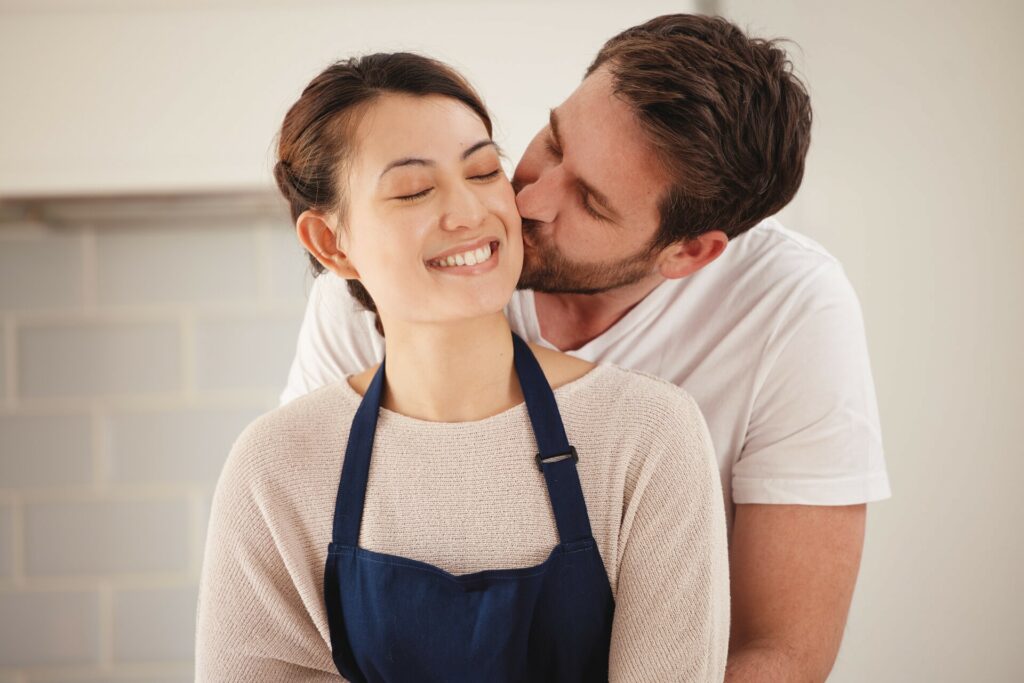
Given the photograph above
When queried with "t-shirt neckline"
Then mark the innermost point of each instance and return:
(624, 325)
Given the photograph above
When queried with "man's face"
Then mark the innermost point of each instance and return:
(587, 188)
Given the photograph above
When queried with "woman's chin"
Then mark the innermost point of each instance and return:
(482, 305)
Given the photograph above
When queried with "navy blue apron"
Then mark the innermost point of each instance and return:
(395, 619)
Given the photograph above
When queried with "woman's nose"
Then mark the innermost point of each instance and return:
(464, 209)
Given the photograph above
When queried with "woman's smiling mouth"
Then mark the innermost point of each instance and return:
(469, 262)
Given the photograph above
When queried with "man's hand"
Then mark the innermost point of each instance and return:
(793, 569)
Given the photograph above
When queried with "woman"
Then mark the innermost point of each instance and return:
(525, 515)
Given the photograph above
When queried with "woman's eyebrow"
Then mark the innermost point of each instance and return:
(416, 161)
(478, 146)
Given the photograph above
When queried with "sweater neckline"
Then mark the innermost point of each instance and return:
(562, 392)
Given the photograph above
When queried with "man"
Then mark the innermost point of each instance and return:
(648, 244)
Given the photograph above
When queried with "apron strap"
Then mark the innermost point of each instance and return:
(348, 508)
(557, 458)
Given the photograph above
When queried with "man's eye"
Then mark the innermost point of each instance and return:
(589, 209)
(549, 144)
(411, 197)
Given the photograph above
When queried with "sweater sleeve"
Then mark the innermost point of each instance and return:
(671, 618)
(252, 624)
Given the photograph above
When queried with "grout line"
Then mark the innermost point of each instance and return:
(196, 533)
(106, 627)
(90, 270)
(126, 492)
(10, 361)
(101, 466)
(158, 312)
(187, 357)
(18, 541)
(122, 672)
(254, 397)
(87, 582)
(262, 238)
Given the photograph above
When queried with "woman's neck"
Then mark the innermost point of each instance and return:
(451, 372)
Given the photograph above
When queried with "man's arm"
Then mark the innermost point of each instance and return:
(812, 459)
(337, 338)
(793, 570)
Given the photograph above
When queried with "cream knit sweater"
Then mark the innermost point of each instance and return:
(468, 496)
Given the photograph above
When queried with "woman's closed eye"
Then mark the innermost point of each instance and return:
(487, 176)
(414, 196)
(424, 192)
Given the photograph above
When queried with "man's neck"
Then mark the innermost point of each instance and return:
(570, 321)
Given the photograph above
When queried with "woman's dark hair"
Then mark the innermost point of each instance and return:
(315, 142)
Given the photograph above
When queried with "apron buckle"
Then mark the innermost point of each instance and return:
(571, 453)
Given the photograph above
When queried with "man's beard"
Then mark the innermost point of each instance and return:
(545, 269)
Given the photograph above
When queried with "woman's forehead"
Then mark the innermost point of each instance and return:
(431, 127)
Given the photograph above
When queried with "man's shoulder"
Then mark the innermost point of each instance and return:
(639, 393)
(773, 268)
(772, 248)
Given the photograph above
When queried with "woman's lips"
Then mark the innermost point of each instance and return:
(477, 269)
(468, 246)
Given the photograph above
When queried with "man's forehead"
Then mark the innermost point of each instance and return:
(607, 146)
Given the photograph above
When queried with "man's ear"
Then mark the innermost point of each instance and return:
(683, 258)
(321, 235)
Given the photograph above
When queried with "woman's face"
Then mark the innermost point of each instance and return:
(426, 188)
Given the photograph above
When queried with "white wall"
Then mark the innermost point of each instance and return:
(132, 357)
(132, 354)
(914, 181)
(116, 96)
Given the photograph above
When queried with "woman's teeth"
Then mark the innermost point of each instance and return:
(469, 258)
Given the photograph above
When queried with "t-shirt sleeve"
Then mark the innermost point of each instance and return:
(252, 624)
(671, 619)
(337, 338)
(813, 436)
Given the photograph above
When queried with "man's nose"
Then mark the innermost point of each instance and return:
(539, 200)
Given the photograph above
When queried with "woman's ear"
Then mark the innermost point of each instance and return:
(321, 235)
(683, 258)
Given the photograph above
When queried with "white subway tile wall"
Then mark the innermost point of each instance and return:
(41, 274)
(238, 353)
(105, 537)
(130, 361)
(91, 357)
(6, 540)
(154, 624)
(50, 627)
(47, 450)
(173, 445)
(3, 369)
(163, 265)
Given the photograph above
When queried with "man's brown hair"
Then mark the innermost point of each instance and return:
(726, 115)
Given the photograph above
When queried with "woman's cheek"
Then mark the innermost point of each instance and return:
(503, 205)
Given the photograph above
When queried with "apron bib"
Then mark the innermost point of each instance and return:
(395, 619)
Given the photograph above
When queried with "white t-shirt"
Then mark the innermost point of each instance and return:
(769, 339)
